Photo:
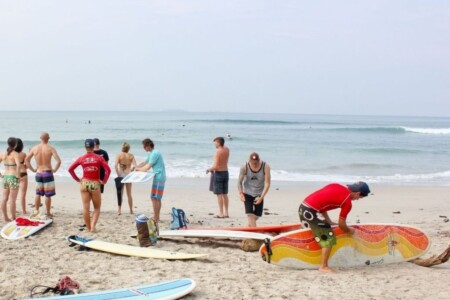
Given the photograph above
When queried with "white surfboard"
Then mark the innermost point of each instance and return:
(13, 231)
(166, 290)
(128, 250)
(138, 176)
(208, 233)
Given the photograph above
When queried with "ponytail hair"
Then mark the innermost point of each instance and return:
(12, 143)
(19, 146)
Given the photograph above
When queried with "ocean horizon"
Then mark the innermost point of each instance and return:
(390, 150)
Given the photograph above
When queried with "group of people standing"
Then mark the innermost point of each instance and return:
(96, 172)
(15, 177)
(253, 183)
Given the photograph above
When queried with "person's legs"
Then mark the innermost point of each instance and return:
(86, 200)
(225, 205)
(220, 202)
(23, 193)
(130, 198)
(119, 192)
(12, 204)
(326, 251)
(48, 206)
(4, 203)
(156, 209)
(251, 220)
(322, 231)
(156, 196)
(97, 202)
(39, 193)
(49, 190)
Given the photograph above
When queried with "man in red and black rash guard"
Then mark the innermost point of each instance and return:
(90, 182)
(328, 198)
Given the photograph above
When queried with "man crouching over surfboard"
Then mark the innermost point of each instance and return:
(330, 197)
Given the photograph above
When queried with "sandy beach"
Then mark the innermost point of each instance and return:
(228, 272)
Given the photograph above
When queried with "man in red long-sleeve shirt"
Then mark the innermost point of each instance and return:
(328, 198)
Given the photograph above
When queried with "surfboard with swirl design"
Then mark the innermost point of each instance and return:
(372, 244)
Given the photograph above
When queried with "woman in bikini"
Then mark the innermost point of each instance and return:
(90, 182)
(10, 158)
(23, 176)
(125, 163)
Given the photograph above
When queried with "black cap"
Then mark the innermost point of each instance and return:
(360, 187)
(96, 141)
(89, 143)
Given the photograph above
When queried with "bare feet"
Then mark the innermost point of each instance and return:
(326, 270)
(7, 220)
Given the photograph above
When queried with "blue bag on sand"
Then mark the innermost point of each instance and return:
(178, 219)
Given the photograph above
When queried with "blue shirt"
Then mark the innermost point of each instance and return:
(156, 160)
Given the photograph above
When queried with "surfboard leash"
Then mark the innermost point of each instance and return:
(269, 250)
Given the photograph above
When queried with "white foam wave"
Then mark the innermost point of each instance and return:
(436, 131)
(198, 171)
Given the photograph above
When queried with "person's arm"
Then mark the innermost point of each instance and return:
(214, 166)
(144, 168)
(72, 170)
(149, 162)
(344, 227)
(240, 181)
(17, 161)
(267, 180)
(133, 163)
(116, 166)
(327, 218)
(58, 160)
(107, 171)
(28, 161)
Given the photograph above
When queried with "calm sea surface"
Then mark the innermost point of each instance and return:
(302, 148)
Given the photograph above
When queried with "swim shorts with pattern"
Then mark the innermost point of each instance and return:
(157, 190)
(10, 182)
(45, 184)
(323, 232)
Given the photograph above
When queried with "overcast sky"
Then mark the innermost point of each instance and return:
(321, 57)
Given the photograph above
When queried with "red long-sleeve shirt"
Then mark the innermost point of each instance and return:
(91, 164)
(331, 197)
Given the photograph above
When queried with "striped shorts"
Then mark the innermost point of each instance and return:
(157, 190)
(45, 184)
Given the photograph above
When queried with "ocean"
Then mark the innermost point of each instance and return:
(299, 148)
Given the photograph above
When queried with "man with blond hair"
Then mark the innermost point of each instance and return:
(45, 182)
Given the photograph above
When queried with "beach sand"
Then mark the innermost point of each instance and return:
(228, 272)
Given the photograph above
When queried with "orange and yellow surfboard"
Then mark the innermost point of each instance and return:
(372, 244)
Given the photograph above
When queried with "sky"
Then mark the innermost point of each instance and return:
(307, 57)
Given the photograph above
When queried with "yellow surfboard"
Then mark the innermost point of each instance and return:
(129, 250)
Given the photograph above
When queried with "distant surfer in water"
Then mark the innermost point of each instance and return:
(90, 182)
(253, 185)
(321, 201)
